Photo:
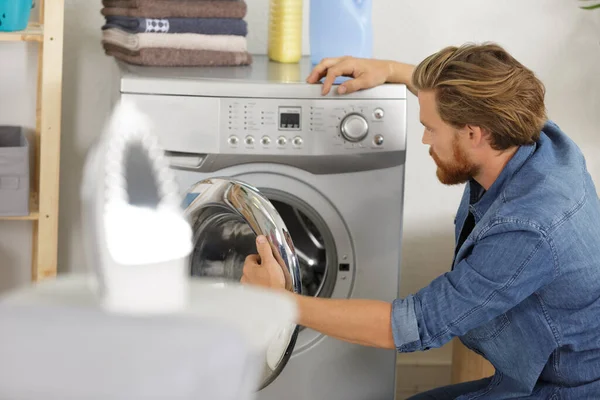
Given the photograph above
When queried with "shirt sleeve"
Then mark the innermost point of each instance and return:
(505, 266)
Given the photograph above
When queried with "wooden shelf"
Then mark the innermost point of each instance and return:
(33, 33)
(48, 35)
(467, 365)
(34, 213)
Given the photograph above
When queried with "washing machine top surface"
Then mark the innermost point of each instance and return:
(263, 78)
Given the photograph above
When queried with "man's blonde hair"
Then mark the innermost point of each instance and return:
(483, 85)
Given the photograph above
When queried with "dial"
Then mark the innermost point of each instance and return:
(354, 127)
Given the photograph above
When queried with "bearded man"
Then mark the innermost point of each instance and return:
(524, 287)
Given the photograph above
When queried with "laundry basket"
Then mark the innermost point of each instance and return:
(14, 14)
(14, 172)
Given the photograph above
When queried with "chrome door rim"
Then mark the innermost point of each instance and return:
(236, 198)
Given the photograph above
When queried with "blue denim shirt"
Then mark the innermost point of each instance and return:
(524, 290)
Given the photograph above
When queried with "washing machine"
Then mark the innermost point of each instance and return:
(332, 167)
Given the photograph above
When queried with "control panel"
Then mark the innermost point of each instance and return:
(311, 126)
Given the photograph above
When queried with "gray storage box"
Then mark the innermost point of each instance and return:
(14, 172)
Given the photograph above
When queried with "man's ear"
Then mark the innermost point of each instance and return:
(477, 135)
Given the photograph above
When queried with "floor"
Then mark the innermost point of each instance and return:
(418, 379)
(419, 372)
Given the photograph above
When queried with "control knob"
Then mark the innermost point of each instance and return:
(354, 127)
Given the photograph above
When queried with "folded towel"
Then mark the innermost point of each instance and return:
(189, 41)
(161, 57)
(207, 26)
(135, 3)
(175, 8)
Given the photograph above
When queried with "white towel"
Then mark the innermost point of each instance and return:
(185, 41)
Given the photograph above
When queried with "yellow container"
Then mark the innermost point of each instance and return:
(285, 31)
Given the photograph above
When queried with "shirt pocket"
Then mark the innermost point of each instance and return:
(488, 331)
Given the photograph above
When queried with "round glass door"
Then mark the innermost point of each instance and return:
(225, 245)
(226, 216)
(313, 242)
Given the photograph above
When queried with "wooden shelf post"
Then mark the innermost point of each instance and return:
(48, 34)
(50, 66)
(467, 365)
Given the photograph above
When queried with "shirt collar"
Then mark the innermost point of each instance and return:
(481, 200)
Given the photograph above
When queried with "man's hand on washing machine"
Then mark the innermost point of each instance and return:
(366, 322)
(262, 269)
(367, 73)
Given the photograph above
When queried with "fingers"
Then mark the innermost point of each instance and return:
(319, 70)
(252, 259)
(345, 68)
(353, 85)
(264, 249)
(251, 262)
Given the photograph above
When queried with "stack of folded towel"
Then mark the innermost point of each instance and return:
(176, 33)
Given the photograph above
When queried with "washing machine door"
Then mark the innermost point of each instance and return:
(226, 215)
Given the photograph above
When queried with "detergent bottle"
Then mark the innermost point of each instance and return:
(285, 31)
(14, 14)
(340, 28)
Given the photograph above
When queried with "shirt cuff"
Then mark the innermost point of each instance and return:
(405, 327)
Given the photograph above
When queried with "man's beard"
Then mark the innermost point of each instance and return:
(457, 172)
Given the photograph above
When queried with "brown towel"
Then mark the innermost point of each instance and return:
(163, 57)
(136, 3)
(175, 8)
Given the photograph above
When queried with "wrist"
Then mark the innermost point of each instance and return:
(399, 72)
(296, 299)
(391, 76)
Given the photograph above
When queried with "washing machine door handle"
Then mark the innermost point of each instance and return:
(220, 199)
(234, 196)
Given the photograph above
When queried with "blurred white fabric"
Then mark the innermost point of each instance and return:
(58, 343)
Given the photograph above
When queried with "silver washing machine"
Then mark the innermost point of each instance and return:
(333, 168)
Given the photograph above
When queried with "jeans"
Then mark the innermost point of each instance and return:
(453, 391)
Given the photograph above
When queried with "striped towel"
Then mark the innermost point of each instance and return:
(137, 3)
(175, 8)
(207, 26)
(162, 57)
(188, 41)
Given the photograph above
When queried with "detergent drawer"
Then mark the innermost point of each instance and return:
(182, 123)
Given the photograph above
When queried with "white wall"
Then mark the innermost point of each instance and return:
(559, 42)
(553, 37)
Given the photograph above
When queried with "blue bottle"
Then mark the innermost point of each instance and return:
(340, 28)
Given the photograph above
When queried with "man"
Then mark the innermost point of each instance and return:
(524, 289)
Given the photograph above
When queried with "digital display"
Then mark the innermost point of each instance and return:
(289, 118)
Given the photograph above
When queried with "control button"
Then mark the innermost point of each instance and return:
(378, 140)
(249, 140)
(378, 113)
(233, 140)
(265, 140)
(281, 141)
(298, 141)
(354, 127)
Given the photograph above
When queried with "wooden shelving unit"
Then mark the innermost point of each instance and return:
(48, 34)
(467, 365)
(33, 33)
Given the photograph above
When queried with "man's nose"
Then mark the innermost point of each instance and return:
(425, 138)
